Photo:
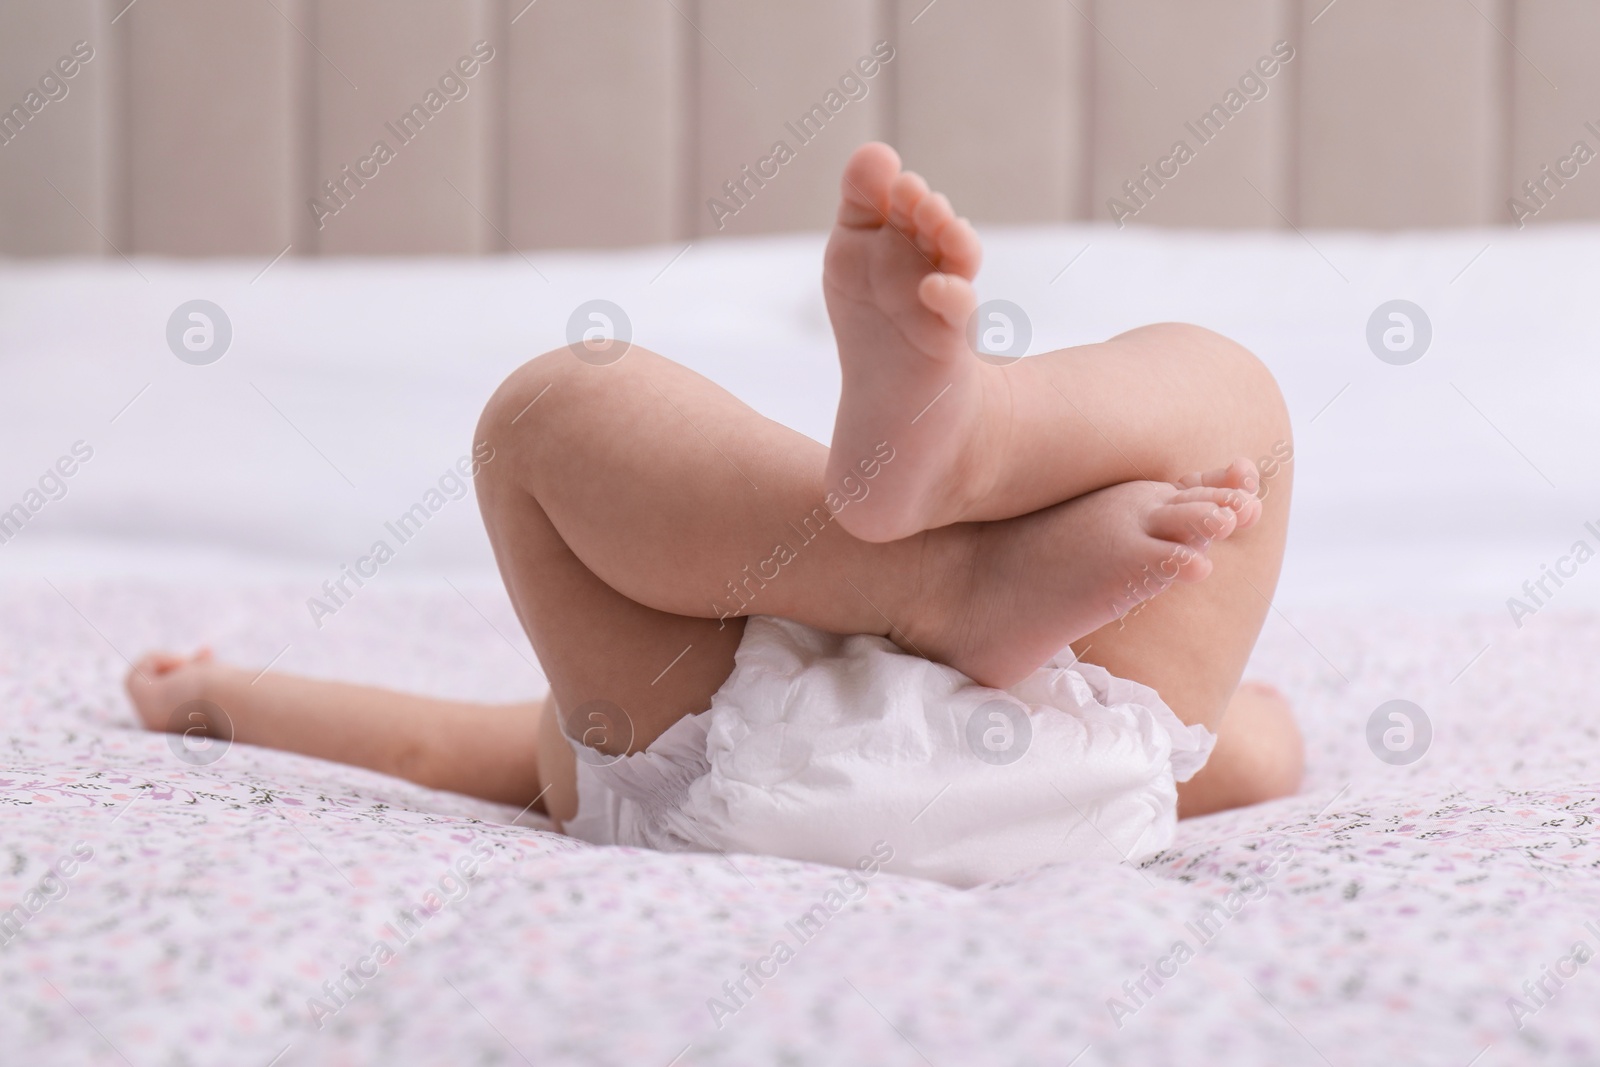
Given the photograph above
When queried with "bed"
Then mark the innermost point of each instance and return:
(230, 908)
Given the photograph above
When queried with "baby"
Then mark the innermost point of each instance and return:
(968, 603)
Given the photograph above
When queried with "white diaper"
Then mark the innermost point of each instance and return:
(820, 747)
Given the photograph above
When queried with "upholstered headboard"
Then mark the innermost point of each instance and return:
(248, 127)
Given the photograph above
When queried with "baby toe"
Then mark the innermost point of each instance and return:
(864, 189)
(1195, 523)
(1237, 500)
(960, 251)
(1245, 505)
(1180, 562)
(1240, 474)
(931, 215)
(905, 194)
(949, 296)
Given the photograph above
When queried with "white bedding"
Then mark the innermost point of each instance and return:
(1410, 902)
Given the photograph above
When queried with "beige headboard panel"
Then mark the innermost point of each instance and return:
(245, 127)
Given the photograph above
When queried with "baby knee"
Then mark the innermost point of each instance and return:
(1269, 745)
(1259, 415)
(1230, 362)
(1279, 771)
(1237, 366)
(1248, 378)
(1259, 755)
(509, 406)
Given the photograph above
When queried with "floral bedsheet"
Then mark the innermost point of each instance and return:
(274, 910)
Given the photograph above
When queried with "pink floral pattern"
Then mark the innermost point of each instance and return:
(1386, 915)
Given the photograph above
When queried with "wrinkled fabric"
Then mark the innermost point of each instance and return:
(826, 749)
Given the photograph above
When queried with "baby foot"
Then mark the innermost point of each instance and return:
(1014, 593)
(898, 281)
(1240, 474)
(162, 682)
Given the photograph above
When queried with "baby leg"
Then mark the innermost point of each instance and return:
(980, 441)
(485, 750)
(1259, 755)
(643, 511)
(637, 511)
(1192, 643)
(676, 496)
(984, 442)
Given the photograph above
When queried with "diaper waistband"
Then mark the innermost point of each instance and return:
(658, 776)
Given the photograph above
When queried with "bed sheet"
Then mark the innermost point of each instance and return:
(232, 912)
(350, 387)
